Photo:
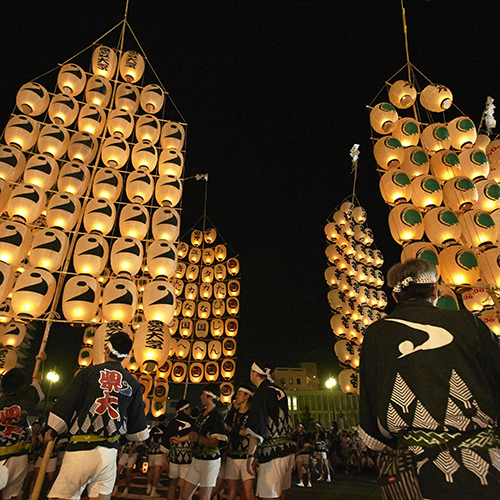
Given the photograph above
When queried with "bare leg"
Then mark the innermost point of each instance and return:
(248, 489)
(172, 489)
(188, 490)
(205, 492)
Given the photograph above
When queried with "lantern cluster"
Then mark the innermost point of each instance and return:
(355, 280)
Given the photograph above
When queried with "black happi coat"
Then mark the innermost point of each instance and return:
(103, 400)
(210, 425)
(180, 426)
(437, 371)
(238, 444)
(270, 422)
(156, 436)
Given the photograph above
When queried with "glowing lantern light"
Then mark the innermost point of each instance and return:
(152, 98)
(231, 327)
(126, 256)
(166, 224)
(172, 136)
(332, 275)
(233, 266)
(493, 152)
(120, 123)
(228, 367)
(349, 381)
(140, 186)
(119, 300)
(407, 132)
(151, 345)
(234, 288)
(219, 272)
(12, 163)
(482, 141)
(206, 291)
(186, 328)
(48, 249)
(188, 308)
(98, 91)
(33, 293)
(220, 290)
(488, 192)
(71, 79)
(82, 147)
(90, 255)
(405, 223)
(41, 171)
(217, 328)
(92, 119)
(218, 308)
(204, 309)
(436, 98)
(164, 371)
(445, 165)
(99, 216)
(168, 191)
(144, 155)
(181, 270)
(171, 162)
(208, 256)
(104, 61)
(492, 321)
(229, 347)
(460, 193)
(214, 349)
(115, 152)
(161, 259)
(462, 132)
(88, 335)
(13, 334)
(15, 241)
(476, 298)
(145, 381)
(178, 307)
(21, 131)
(7, 277)
(402, 94)
(63, 110)
(131, 66)
(427, 192)
(194, 255)
(416, 162)
(421, 250)
(344, 349)
(333, 253)
(102, 335)
(192, 272)
(201, 331)
(53, 140)
(134, 221)
(183, 349)
(489, 266)
(32, 99)
(81, 298)
(8, 360)
(233, 306)
(459, 266)
(191, 291)
(173, 326)
(474, 163)
(211, 371)
(127, 98)
(478, 228)
(107, 184)
(494, 173)
(388, 152)
(6, 312)
(27, 202)
(160, 393)
(148, 129)
(442, 226)
(196, 372)
(435, 137)
(383, 118)
(359, 215)
(395, 187)
(220, 253)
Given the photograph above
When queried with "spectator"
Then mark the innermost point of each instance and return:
(304, 446)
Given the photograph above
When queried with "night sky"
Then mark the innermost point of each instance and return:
(275, 94)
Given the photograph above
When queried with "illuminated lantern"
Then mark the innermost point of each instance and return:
(188, 308)
(160, 391)
(134, 221)
(474, 163)
(104, 61)
(388, 152)
(491, 319)
(233, 288)
(6, 311)
(168, 191)
(204, 309)
(383, 118)
(99, 216)
(173, 326)
(81, 298)
(333, 253)
(12, 163)
(216, 328)
(332, 231)
(435, 137)
(427, 192)
(82, 147)
(63, 110)
(162, 259)
(214, 349)
(416, 162)
(147, 129)
(126, 256)
(421, 250)
(32, 99)
(459, 266)
(186, 328)
(88, 335)
(233, 306)
(478, 228)
(145, 381)
(7, 278)
(181, 270)
(218, 308)
(33, 293)
(144, 155)
(482, 141)
(229, 347)
(15, 241)
(463, 132)
(493, 152)
(53, 140)
(48, 249)
(90, 255)
(344, 349)
(151, 345)
(183, 348)
(140, 186)
(119, 300)
(442, 226)
(405, 223)
(164, 371)
(227, 369)
(349, 381)
(206, 291)
(332, 276)
(8, 360)
(92, 119)
(194, 255)
(395, 187)
(120, 123)
(71, 79)
(115, 152)
(210, 235)
(233, 266)
(220, 290)
(191, 291)
(192, 272)
(445, 165)
(131, 66)
(13, 334)
(407, 132)
(208, 256)
(172, 136)
(211, 371)
(363, 235)
(201, 330)
(127, 98)
(152, 98)
(196, 237)
(436, 98)
(402, 94)
(220, 253)
(489, 266)
(98, 91)
(102, 335)
(21, 131)
(41, 171)
(475, 299)
(196, 372)
(219, 272)
(494, 173)
(166, 224)
(27, 202)
(460, 193)
(107, 184)
(171, 163)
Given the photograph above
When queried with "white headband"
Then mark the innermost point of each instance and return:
(212, 394)
(266, 372)
(119, 355)
(244, 389)
(183, 408)
(422, 279)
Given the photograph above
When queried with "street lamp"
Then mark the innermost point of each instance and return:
(52, 376)
(330, 384)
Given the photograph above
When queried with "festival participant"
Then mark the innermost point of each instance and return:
(102, 403)
(208, 437)
(302, 441)
(430, 382)
(321, 452)
(270, 427)
(156, 457)
(237, 449)
(15, 404)
(128, 457)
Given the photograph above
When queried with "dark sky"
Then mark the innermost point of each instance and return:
(275, 95)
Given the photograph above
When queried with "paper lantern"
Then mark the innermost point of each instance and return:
(442, 226)
(41, 171)
(208, 256)
(21, 131)
(161, 259)
(32, 99)
(172, 136)
(33, 293)
(173, 326)
(82, 147)
(192, 272)
(71, 79)
(416, 162)
(166, 368)
(211, 371)
(475, 299)
(405, 223)
(126, 256)
(186, 328)
(489, 266)
(171, 163)
(435, 137)
(233, 266)
(383, 118)
(196, 372)
(90, 255)
(159, 301)
(491, 320)
(395, 187)
(407, 132)
(180, 270)
(194, 255)
(63, 110)
(206, 291)
(233, 288)
(6, 311)
(436, 98)
(107, 184)
(191, 291)
(15, 241)
(219, 290)
(214, 349)
(332, 276)
(127, 98)
(474, 163)
(98, 91)
(145, 381)
(201, 329)
(183, 349)
(188, 308)
(144, 155)
(460, 193)
(81, 298)
(119, 300)
(148, 129)
(494, 173)
(26, 202)
(12, 163)
(104, 61)
(115, 152)
(53, 140)
(344, 349)
(421, 250)
(349, 381)
(228, 367)
(166, 224)
(426, 192)
(134, 221)
(210, 235)
(151, 345)
(92, 119)
(445, 165)
(160, 391)
(168, 191)
(13, 334)
(388, 152)
(402, 94)
(447, 298)
(231, 327)
(220, 253)
(48, 249)
(478, 228)
(102, 335)
(88, 335)
(232, 306)
(219, 271)
(7, 278)
(204, 309)
(140, 186)
(152, 98)
(229, 347)
(459, 266)
(131, 66)
(218, 308)
(462, 132)
(216, 328)
(178, 284)
(120, 123)
(100, 215)
(8, 360)
(493, 152)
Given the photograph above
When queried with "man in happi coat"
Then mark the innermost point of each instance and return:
(429, 380)
(102, 403)
(269, 429)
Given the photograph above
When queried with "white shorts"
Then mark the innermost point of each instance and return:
(274, 477)
(93, 468)
(128, 461)
(203, 473)
(155, 460)
(177, 470)
(222, 470)
(321, 454)
(236, 468)
(18, 467)
(303, 458)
